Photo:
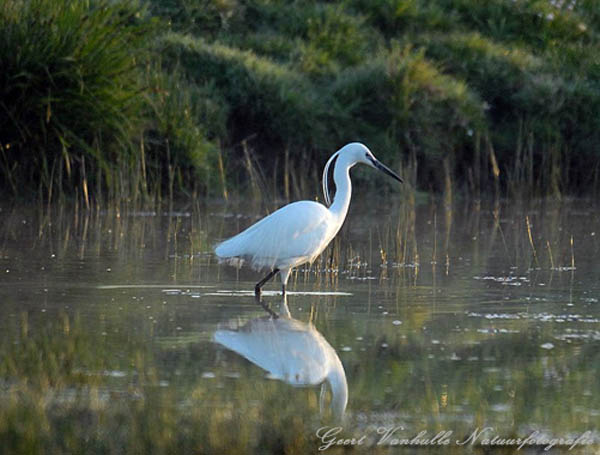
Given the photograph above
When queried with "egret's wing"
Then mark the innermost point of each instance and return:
(294, 233)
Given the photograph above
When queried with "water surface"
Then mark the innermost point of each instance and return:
(445, 319)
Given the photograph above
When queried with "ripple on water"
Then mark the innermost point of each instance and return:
(585, 335)
(543, 317)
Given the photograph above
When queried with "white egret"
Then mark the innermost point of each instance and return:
(291, 351)
(299, 232)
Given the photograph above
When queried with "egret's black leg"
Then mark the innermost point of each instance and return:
(262, 282)
(283, 289)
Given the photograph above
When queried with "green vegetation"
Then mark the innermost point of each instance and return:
(149, 100)
(71, 89)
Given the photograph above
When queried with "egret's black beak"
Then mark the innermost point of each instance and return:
(383, 168)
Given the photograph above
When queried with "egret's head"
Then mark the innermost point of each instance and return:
(348, 156)
(360, 153)
(355, 153)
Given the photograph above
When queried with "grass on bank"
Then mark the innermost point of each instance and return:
(85, 110)
(155, 99)
(71, 91)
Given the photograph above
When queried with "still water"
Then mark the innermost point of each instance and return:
(120, 333)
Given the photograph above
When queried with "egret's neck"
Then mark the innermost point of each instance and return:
(343, 189)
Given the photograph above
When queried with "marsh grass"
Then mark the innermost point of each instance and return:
(86, 113)
(72, 93)
(153, 101)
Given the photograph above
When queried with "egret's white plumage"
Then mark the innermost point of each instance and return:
(300, 231)
(302, 238)
(290, 351)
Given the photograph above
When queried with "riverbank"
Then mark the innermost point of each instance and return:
(148, 101)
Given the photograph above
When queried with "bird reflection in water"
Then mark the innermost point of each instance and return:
(291, 351)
